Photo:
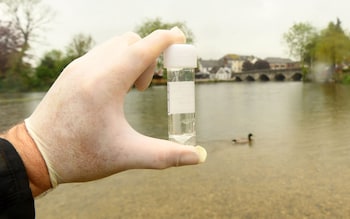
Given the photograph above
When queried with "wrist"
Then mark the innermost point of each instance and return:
(39, 180)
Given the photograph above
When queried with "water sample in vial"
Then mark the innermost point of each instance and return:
(180, 61)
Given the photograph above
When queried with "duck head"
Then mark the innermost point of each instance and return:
(250, 136)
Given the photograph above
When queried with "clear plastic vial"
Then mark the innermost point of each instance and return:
(180, 61)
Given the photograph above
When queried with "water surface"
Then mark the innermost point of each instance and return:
(296, 168)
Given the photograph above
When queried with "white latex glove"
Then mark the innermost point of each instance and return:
(80, 128)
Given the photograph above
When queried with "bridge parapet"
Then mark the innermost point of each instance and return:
(269, 75)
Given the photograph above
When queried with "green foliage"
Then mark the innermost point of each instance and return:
(50, 67)
(151, 25)
(310, 50)
(346, 79)
(54, 61)
(332, 45)
(24, 77)
(298, 38)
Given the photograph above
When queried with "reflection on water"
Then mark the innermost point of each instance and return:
(297, 166)
(291, 112)
(15, 107)
(147, 111)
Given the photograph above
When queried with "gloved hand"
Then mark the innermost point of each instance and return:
(80, 128)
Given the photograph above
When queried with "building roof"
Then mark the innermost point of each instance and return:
(277, 60)
(209, 63)
(238, 57)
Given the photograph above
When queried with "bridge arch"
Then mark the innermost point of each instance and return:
(269, 75)
(297, 76)
(280, 77)
(264, 77)
(237, 78)
(249, 78)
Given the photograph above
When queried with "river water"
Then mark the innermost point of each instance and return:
(297, 166)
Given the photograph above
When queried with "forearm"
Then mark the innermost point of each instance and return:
(34, 163)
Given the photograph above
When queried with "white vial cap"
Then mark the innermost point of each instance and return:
(180, 56)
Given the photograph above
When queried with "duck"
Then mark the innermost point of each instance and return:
(244, 140)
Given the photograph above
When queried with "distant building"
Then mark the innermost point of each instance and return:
(206, 66)
(221, 73)
(282, 63)
(235, 62)
(223, 68)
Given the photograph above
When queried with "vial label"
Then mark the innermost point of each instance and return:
(181, 97)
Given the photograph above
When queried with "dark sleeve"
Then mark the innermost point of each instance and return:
(16, 200)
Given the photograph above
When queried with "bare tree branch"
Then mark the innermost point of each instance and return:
(29, 18)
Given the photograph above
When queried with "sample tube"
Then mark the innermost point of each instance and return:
(180, 61)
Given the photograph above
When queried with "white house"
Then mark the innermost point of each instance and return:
(223, 73)
(235, 62)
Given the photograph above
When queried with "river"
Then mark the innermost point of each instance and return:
(296, 167)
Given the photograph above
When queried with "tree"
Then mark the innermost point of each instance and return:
(261, 64)
(79, 45)
(49, 68)
(10, 43)
(310, 50)
(247, 66)
(151, 25)
(54, 61)
(333, 45)
(299, 36)
(28, 17)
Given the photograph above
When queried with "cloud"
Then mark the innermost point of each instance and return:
(222, 26)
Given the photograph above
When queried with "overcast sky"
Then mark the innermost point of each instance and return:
(245, 27)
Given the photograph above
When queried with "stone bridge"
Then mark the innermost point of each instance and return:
(269, 75)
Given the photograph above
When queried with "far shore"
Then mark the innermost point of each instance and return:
(164, 81)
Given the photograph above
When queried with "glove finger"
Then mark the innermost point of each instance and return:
(145, 78)
(142, 54)
(152, 153)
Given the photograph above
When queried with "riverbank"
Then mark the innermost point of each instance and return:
(235, 182)
(197, 81)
